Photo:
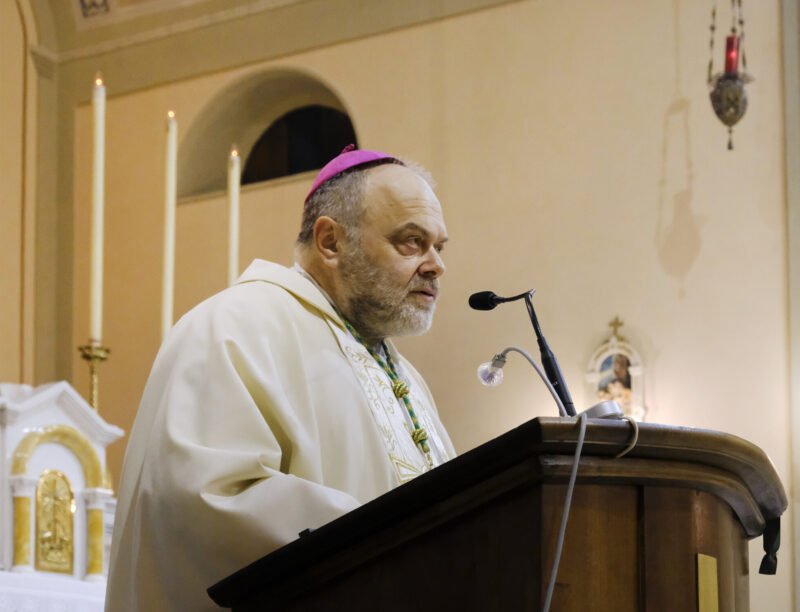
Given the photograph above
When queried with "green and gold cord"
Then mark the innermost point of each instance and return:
(399, 388)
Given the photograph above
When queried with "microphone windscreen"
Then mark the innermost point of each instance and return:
(483, 300)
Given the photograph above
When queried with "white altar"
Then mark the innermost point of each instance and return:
(56, 499)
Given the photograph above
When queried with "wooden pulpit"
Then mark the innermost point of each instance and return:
(664, 528)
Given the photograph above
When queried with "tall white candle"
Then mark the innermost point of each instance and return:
(234, 173)
(168, 287)
(98, 182)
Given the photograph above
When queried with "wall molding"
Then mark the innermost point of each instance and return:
(153, 34)
(416, 11)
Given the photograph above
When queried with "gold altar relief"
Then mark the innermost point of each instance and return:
(55, 513)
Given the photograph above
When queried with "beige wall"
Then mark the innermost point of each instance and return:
(17, 194)
(12, 93)
(575, 151)
(791, 89)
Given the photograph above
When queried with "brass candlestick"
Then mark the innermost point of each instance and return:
(94, 353)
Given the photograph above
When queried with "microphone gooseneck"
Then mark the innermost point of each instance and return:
(488, 300)
(550, 363)
(491, 373)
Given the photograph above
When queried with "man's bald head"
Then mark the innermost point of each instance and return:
(341, 199)
(372, 240)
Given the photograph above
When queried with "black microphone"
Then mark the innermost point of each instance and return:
(483, 300)
(488, 300)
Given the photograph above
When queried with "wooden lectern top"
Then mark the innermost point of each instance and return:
(723, 464)
(539, 451)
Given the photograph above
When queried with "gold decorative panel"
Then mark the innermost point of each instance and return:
(94, 555)
(707, 584)
(55, 514)
(22, 531)
(66, 436)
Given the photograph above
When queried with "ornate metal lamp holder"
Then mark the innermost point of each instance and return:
(728, 95)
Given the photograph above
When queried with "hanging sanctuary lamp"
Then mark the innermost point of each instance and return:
(728, 95)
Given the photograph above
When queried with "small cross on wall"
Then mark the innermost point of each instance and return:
(615, 324)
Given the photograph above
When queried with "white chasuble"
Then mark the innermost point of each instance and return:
(390, 413)
(262, 417)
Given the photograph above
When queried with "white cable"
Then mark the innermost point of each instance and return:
(565, 515)
(561, 410)
(634, 438)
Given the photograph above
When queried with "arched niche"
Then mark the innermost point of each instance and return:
(239, 115)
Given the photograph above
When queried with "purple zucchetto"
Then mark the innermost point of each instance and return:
(350, 157)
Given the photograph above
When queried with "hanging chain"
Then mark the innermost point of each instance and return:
(711, 42)
(737, 28)
(741, 35)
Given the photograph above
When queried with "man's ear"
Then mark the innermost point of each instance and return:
(327, 236)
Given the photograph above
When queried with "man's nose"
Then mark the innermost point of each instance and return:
(433, 266)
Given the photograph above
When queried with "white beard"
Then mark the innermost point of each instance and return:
(376, 306)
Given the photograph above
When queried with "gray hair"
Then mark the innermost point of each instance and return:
(342, 197)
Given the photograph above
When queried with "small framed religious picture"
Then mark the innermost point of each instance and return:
(615, 372)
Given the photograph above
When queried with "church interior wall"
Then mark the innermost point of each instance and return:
(12, 193)
(19, 190)
(791, 91)
(575, 151)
